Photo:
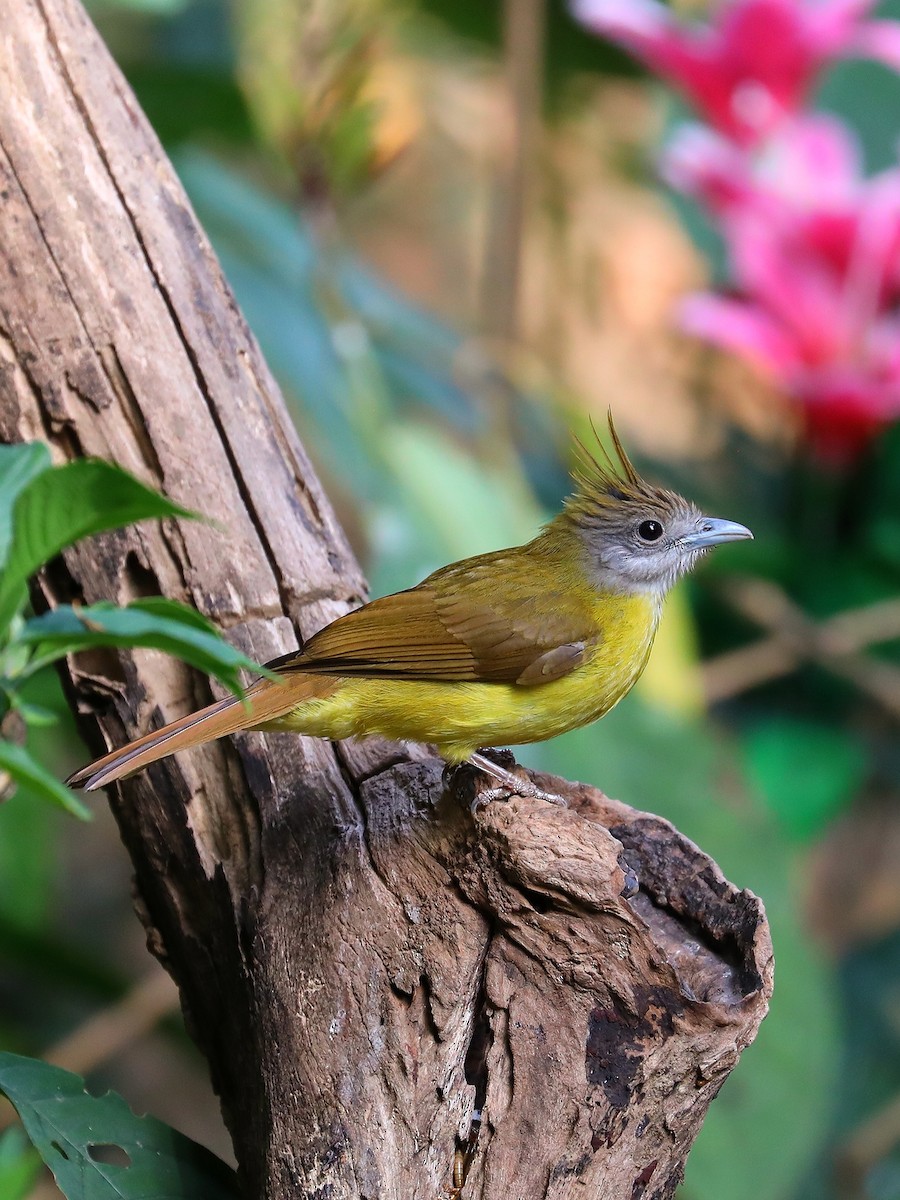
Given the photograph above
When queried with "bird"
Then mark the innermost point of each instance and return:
(500, 649)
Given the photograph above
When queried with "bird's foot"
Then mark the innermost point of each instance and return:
(507, 783)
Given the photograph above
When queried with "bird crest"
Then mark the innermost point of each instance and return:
(604, 483)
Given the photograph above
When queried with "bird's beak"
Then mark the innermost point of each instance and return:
(713, 531)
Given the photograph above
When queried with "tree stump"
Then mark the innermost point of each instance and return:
(397, 997)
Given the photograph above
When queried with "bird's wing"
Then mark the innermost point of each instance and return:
(450, 628)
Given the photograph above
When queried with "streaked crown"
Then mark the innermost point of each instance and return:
(639, 537)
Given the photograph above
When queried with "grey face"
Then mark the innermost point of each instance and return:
(647, 546)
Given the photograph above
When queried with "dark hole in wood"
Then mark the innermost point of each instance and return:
(540, 902)
(141, 581)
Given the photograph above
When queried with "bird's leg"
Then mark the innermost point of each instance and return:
(508, 784)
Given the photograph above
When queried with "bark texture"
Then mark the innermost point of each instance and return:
(390, 990)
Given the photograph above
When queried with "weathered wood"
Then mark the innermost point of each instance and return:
(363, 961)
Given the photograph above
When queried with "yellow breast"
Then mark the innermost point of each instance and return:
(460, 717)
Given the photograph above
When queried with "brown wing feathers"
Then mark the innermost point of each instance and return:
(400, 635)
(445, 633)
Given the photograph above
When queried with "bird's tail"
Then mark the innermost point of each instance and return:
(265, 701)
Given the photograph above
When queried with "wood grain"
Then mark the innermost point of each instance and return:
(365, 963)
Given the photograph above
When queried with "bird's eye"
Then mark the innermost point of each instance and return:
(650, 531)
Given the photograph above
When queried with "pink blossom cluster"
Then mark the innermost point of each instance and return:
(814, 245)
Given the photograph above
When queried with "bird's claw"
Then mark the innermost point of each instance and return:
(506, 783)
(523, 788)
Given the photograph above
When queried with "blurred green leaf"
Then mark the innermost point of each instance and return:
(28, 861)
(153, 622)
(569, 48)
(152, 8)
(19, 1165)
(68, 968)
(470, 508)
(63, 505)
(880, 515)
(184, 101)
(671, 680)
(308, 305)
(273, 265)
(33, 714)
(863, 92)
(806, 771)
(20, 766)
(786, 1079)
(419, 355)
(319, 110)
(866, 1087)
(98, 1149)
(18, 466)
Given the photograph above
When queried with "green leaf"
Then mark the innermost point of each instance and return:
(446, 506)
(570, 49)
(18, 466)
(806, 771)
(63, 505)
(19, 1165)
(869, 974)
(468, 508)
(174, 610)
(24, 769)
(148, 8)
(34, 715)
(861, 92)
(186, 101)
(98, 1149)
(58, 963)
(28, 864)
(154, 623)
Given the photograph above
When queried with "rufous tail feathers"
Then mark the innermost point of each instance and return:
(265, 701)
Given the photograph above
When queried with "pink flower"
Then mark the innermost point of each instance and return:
(804, 187)
(752, 66)
(815, 258)
(814, 246)
(816, 310)
(809, 163)
(846, 396)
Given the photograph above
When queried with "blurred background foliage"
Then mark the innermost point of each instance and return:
(442, 222)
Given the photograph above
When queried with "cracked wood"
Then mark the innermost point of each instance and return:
(396, 998)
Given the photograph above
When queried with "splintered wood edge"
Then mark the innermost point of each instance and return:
(596, 851)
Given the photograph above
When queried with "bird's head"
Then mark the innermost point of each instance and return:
(639, 538)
